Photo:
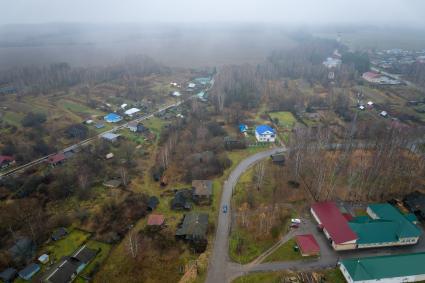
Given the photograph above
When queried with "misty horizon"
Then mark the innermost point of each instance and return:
(306, 12)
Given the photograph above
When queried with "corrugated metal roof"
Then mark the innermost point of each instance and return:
(389, 212)
(382, 267)
(262, 129)
(334, 222)
(307, 244)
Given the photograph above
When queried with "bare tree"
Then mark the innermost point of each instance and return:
(133, 243)
(259, 174)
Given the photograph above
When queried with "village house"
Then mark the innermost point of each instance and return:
(278, 158)
(113, 118)
(331, 62)
(202, 191)
(8, 275)
(99, 126)
(29, 271)
(194, 230)
(111, 137)
(130, 112)
(137, 127)
(59, 233)
(182, 200)
(70, 266)
(176, 94)
(265, 133)
(156, 221)
(23, 249)
(132, 126)
(153, 202)
(56, 159)
(6, 161)
(243, 128)
(44, 258)
(383, 114)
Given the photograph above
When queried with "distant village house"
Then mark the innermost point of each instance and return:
(265, 133)
(202, 191)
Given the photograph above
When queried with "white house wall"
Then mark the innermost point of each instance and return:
(412, 278)
(265, 138)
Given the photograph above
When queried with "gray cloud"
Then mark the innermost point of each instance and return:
(310, 12)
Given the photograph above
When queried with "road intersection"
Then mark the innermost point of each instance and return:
(222, 269)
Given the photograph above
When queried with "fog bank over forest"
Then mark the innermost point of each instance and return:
(181, 45)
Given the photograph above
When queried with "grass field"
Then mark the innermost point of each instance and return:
(286, 252)
(13, 118)
(284, 119)
(252, 247)
(263, 277)
(328, 276)
(333, 275)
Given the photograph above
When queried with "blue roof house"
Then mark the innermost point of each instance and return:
(29, 271)
(112, 118)
(243, 128)
(265, 133)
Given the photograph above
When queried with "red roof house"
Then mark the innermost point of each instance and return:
(308, 245)
(5, 160)
(56, 159)
(156, 220)
(334, 224)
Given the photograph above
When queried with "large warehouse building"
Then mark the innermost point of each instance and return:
(383, 226)
(334, 225)
(388, 269)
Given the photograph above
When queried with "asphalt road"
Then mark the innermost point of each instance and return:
(222, 269)
(219, 261)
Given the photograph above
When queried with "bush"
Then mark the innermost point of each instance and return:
(293, 184)
(33, 119)
(275, 231)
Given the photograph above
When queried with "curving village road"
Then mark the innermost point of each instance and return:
(221, 269)
(219, 261)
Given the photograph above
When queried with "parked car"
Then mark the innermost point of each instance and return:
(296, 221)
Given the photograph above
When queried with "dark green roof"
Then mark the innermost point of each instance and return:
(411, 217)
(381, 267)
(406, 229)
(375, 231)
(360, 219)
(194, 225)
(390, 226)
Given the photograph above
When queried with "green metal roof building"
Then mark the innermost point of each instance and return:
(392, 268)
(385, 226)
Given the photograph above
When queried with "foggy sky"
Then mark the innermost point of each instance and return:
(309, 12)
